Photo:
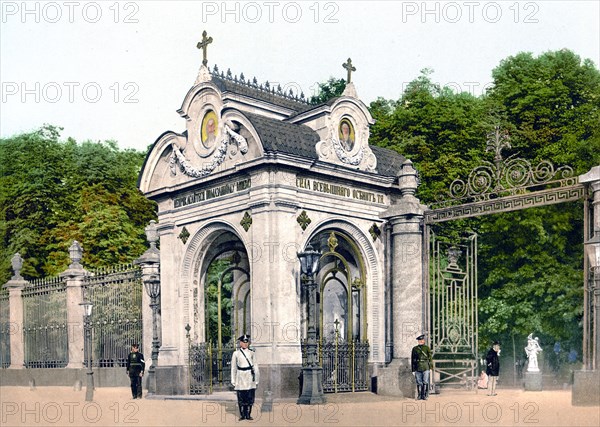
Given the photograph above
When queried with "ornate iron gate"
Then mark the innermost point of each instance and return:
(453, 302)
(506, 184)
(209, 368)
(345, 366)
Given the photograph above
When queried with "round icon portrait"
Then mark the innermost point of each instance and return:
(209, 129)
(346, 134)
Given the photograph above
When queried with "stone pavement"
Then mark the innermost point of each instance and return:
(63, 406)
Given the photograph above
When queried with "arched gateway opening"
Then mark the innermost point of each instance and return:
(342, 312)
(221, 309)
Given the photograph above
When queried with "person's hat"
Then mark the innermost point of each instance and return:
(421, 337)
(244, 338)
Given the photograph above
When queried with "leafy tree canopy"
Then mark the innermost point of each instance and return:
(530, 261)
(330, 89)
(54, 191)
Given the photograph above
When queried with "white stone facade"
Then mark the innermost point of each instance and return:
(275, 176)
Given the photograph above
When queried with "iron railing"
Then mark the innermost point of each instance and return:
(45, 323)
(4, 328)
(116, 295)
(344, 363)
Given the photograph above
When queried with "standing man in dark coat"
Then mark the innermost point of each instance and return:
(492, 361)
(244, 376)
(421, 361)
(135, 369)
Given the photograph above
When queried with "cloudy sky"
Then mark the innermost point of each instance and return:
(120, 69)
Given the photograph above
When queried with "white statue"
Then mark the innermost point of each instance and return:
(532, 350)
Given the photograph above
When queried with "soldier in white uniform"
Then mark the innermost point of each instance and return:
(244, 376)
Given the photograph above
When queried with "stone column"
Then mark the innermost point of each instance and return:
(15, 287)
(407, 291)
(73, 278)
(586, 384)
(275, 293)
(150, 265)
(592, 178)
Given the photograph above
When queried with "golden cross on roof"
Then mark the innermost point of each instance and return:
(204, 45)
(348, 66)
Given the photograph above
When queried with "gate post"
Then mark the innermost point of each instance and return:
(15, 287)
(586, 388)
(73, 278)
(149, 263)
(408, 295)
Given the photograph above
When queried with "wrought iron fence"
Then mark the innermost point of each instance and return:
(4, 329)
(344, 363)
(45, 323)
(116, 295)
(209, 367)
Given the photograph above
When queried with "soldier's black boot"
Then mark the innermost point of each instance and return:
(242, 412)
(425, 391)
(248, 411)
(419, 392)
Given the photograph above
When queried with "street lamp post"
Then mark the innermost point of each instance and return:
(87, 314)
(592, 249)
(152, 285)
(312, 374)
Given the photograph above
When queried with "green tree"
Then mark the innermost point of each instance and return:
(530, 261)
(533, 281)
(442, 132)
(55, 191)
(332, 88)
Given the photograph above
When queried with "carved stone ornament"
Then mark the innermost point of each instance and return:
(375, 231)
(184, 235)
(246, 221)
(303, 220)
(359, 156)
(219, 155)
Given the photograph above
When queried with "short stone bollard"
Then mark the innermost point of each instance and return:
(267, 403)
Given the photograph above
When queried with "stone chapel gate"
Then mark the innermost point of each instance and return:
(272, 172)
(500, 186)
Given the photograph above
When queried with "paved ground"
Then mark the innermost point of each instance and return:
(63, 406)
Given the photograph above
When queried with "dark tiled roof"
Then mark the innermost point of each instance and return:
(227, 85)
(388, 161)
(278, 136)
(300, 140)
(308, 107)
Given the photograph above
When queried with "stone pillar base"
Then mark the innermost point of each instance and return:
(171, 380)
(396, 379)
(312, 387)
(533, 381)
(586, 388)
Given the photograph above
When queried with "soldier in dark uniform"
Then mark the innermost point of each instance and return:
(421, 362)
(135, 369)
(244, 376)
(493, 367)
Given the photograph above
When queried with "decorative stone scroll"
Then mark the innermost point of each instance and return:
(220, 154)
